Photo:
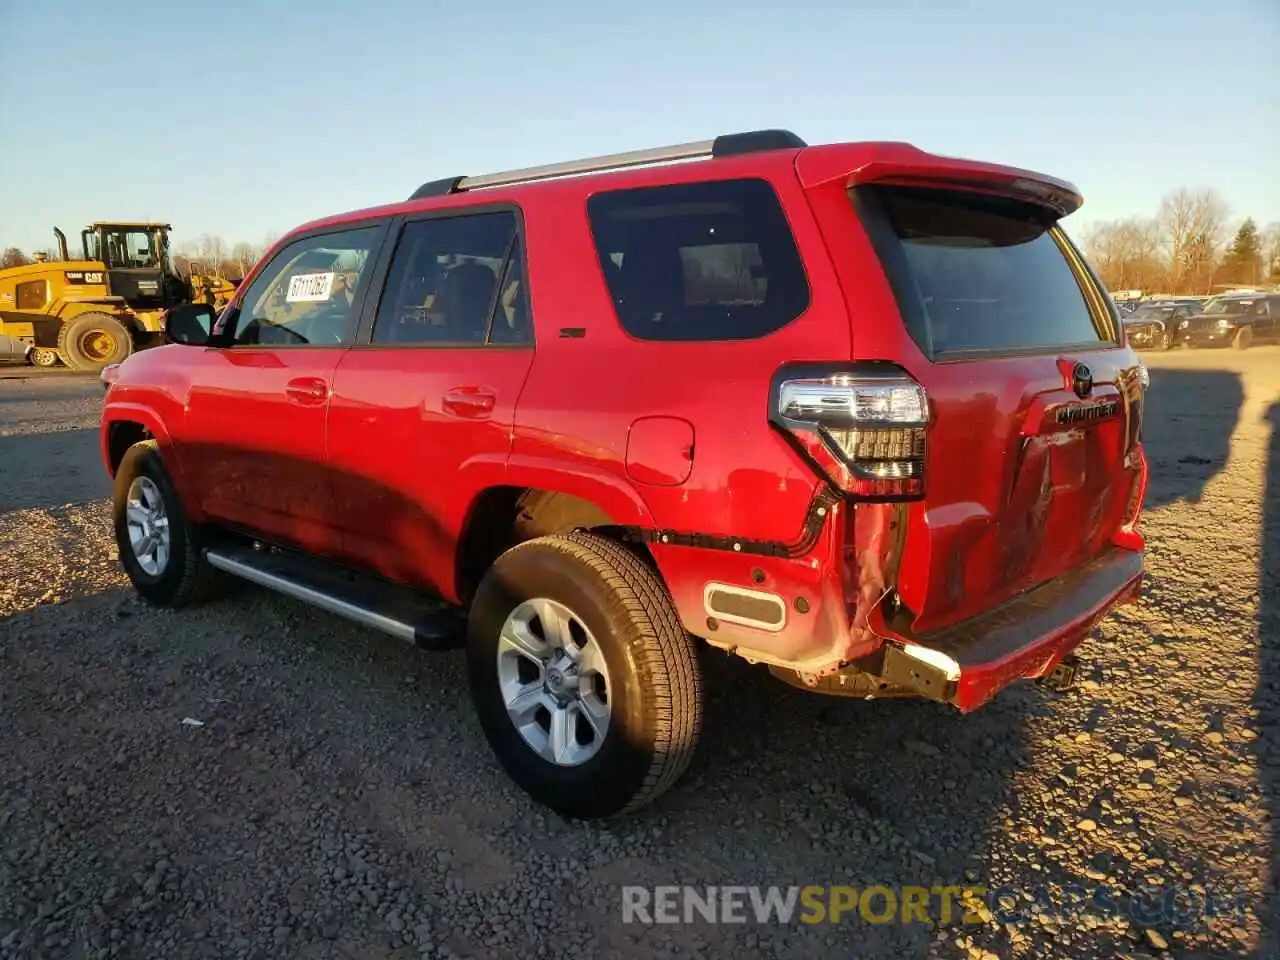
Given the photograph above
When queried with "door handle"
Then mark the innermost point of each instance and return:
(308, 391)
(473, 402)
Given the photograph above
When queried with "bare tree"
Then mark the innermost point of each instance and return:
(1193, 225)
(13, 257)
(245, 255)
(1126, 253)
(1271, 252)
(218, 255)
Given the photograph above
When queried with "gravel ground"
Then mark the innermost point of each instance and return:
(338, 800)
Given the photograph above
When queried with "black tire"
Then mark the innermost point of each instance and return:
(187, 578)
(1166, 341)
(45, 357)
(93, 340)
(1243, 338)
(655, 680)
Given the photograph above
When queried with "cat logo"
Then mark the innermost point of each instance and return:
(84, 277)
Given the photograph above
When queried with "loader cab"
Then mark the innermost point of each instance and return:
(137, 261)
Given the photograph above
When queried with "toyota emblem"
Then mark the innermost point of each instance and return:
(1081, 380)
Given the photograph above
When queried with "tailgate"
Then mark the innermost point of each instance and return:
(1032, 463)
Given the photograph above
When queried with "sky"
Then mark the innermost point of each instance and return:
(245, 119)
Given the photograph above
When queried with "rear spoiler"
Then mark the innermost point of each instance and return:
(905, 165)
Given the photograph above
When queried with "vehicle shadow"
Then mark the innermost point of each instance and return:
(1266, 699)
(1188, 422)
(40, 470)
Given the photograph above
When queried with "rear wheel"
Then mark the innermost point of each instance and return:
(1243, 338)
(93, 340)
(586, 685)
(160, 550)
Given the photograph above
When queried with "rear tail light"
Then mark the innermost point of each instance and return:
(862, 427)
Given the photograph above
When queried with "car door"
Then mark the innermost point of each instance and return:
(1271, 321)
(423, 408)
(255, 427)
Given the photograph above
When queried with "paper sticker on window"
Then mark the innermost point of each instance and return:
(309, 287)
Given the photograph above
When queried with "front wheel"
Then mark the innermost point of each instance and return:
(44, 357)
(1243, 338)
(160, 549)
(587, 687)
(1166, 341)
(93, 340)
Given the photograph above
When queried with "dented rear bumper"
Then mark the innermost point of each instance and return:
(968, 664)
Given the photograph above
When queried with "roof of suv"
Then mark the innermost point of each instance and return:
(739, 153)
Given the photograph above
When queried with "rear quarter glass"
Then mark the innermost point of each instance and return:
(701, 261)
(982, 275)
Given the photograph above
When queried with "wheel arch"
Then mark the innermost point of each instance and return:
(500, 517)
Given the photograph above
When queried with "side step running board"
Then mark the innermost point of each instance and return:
(387, 607)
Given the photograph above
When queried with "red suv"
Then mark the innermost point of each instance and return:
(860, 413)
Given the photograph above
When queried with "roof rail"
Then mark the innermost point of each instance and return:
(726, 145)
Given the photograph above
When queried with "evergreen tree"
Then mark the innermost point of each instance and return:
(1243, 262)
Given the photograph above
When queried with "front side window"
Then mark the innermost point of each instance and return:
(699, 261)
(306, 296)
(456, 281)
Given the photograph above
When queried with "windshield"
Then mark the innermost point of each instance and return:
(1151, 312)
(129, 248)
(1218, 307)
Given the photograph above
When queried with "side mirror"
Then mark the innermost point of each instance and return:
(189, 323)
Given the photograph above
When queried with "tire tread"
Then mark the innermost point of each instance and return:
(198, 581)
(664, 651)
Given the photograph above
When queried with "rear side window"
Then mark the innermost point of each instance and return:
(977, 274)
(699, 261)
(455, 280)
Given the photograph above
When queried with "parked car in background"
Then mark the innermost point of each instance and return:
(1155, 325)
(1238, 320)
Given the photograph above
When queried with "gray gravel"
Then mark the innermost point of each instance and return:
(337, 799)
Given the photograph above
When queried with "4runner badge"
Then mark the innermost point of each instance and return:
(1087, 412)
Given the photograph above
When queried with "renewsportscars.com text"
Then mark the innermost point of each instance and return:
(939, 903)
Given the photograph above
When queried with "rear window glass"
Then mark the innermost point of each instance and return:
(976, 274)
(699, 261)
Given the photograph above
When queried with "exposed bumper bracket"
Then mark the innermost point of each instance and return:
(1064, 675)
(930, 679)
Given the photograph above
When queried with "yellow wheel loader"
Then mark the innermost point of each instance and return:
(88, 312)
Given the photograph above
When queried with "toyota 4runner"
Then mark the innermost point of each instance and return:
(859, 413)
